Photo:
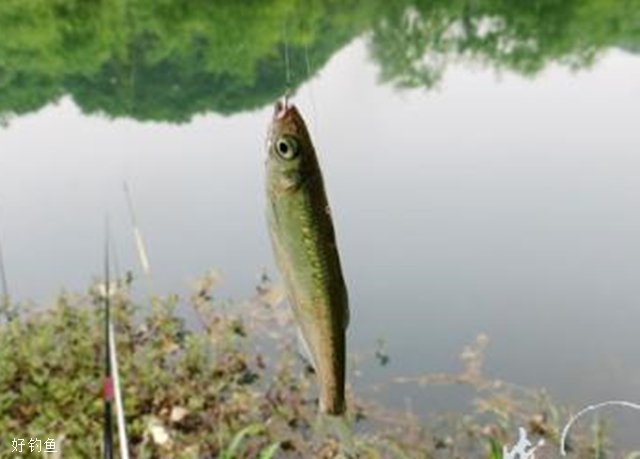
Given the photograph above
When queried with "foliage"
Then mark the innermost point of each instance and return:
(232, 388)
(169, 60)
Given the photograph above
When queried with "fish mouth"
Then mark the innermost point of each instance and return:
(282, 107)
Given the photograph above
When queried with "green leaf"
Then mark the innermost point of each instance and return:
(269, 451)
(236, 442)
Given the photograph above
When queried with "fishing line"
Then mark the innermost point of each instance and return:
(287, 64)
(114, 258)
(312, 100)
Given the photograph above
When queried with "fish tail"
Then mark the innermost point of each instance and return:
(328, 425)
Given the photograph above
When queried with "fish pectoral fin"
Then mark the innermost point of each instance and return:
(305, 350)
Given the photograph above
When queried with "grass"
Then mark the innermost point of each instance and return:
(234, 387)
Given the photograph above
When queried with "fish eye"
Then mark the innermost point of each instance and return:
(287, 147)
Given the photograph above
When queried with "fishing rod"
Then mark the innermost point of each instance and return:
(112, 391)
(5, 298)
(108, 381)
(141, 247)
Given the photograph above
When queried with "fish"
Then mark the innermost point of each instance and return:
(304, 245)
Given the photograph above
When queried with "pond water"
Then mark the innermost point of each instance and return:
(490, 202)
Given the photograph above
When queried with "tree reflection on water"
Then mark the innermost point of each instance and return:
(170, 60)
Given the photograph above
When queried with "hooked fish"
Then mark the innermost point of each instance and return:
(304, 245)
